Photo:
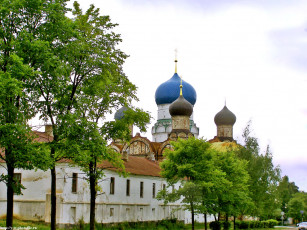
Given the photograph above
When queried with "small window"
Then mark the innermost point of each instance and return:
(111, 211)
(17, 181)
(112, 185)
(141, 189)
(74, 182)
(128, 188)
(163, 186)
(153, 190)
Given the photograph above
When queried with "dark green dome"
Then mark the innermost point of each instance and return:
(181, 107)
(225, 117)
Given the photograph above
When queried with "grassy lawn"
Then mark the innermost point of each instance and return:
(26, 224)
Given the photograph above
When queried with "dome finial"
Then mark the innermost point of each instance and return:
(176, 60)
(181, 86)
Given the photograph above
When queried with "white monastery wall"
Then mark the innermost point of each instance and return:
(34, 204)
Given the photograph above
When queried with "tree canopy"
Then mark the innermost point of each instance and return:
(298, 206)
(69, 70)
(25, 30)
(212, 181)
(264, 176)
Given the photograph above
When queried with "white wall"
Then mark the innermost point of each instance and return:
(34, 204)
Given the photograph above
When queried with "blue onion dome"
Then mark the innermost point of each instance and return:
(181, 107)
(168, 91)
(120, 113)
(225, 117)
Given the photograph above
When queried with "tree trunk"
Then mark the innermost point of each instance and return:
(192, 213)
(53, 199)
(234, 223)
(53, 185)
(226, 217)
(93, 196)
(218, 216)
(10, 196)
(205, 217)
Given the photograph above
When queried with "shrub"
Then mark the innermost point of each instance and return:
(215, 225)
(81, 223)
(270, 223)
(242, 224)
(258, 224)
(251, 224)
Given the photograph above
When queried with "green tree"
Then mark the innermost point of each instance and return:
(83, 82)
(21, 24)
(232, 196)
(106, 89)
(44, 46)
(190, 163)
(285, 191)
(297, 204)
(264, 176)
(87, 144)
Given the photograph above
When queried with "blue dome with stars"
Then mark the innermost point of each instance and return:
(169, 91)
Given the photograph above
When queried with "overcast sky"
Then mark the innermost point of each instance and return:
(251, 53)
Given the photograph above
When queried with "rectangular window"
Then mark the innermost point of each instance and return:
(112, 185)
(163, 186)
(153, 190)
(74, 182)
(17, 181)
(141, 189)
(111, 211)
(128, 188)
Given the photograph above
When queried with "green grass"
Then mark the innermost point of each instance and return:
(24, 224)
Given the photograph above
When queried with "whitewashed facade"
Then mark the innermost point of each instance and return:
(72, 206)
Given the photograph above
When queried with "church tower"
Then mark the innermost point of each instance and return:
(165, 95)
(224, 121)
(180, 111)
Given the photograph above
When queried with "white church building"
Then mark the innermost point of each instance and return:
(130, 199)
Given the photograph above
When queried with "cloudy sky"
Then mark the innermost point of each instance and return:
(251, 53)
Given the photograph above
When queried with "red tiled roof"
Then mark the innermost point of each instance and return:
(134, 165)
(137, 166)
